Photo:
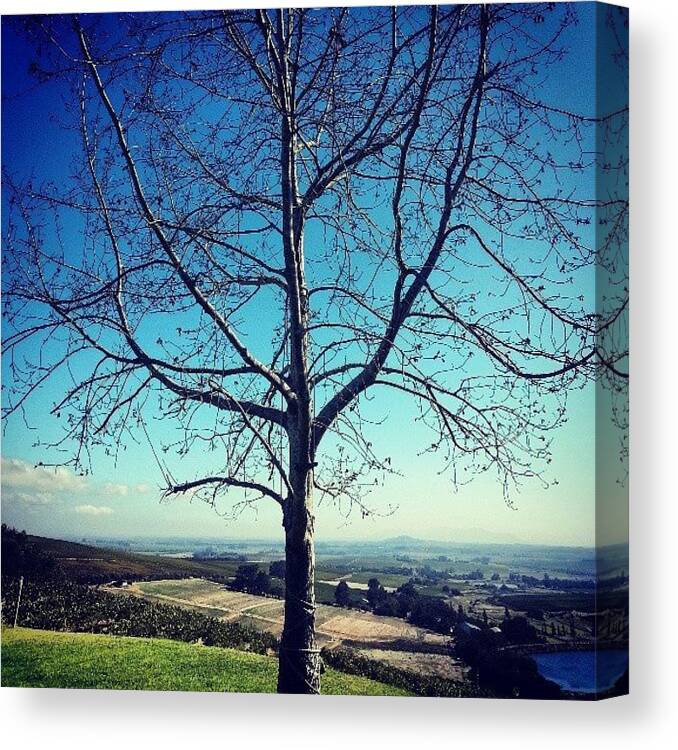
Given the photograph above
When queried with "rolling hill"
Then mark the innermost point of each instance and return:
(41, 658)
(87, 564)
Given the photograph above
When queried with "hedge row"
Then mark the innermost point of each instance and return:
(62, 605)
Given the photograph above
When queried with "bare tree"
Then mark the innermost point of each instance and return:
(272, 216)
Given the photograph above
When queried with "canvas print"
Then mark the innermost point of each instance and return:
(315, 350)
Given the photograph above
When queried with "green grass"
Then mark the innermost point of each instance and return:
(42, 658)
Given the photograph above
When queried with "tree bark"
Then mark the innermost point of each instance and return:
(299, 662)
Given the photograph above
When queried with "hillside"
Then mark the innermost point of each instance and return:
(40, 658)
(85, 563)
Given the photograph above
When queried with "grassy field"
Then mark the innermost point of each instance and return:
(41, 658)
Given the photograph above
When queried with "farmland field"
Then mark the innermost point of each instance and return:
(435, 665)
(587, 601)
(334, 624)
(39, 658)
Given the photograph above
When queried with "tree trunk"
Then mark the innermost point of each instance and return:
(299, 662)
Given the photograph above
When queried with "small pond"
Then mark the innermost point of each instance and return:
(583, 671)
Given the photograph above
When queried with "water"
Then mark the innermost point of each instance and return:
(577, 670)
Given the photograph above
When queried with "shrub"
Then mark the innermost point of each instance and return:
(61, 605)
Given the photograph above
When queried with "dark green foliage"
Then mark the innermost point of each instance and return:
(408, 590)
(262, 583)
(376, 593)
(277, 569)
(61, 605)
(277, 590)
(405, 599)
(342, 594)
(252, 580)
(535, 614)
(559, 584)
(23, 556)
(387, 607)
(505, 673)
(406, 602)
(518, 630)
(324, 594)
(433, 613)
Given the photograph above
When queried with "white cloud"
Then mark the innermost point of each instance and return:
(111, 489)
(38, 498)
(32, 499)
(36, 486)
(115, 489)
(93, 510)
(26, 478)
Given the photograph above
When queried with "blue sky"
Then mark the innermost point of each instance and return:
(124, 499)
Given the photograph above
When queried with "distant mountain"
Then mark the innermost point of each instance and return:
(470, 536)
(406, 541)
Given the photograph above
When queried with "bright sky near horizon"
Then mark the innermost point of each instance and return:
(125, 499)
